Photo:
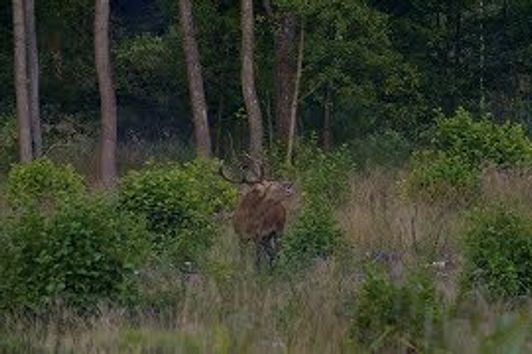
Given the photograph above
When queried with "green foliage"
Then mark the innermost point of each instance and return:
(178, 202)
(436, 176)
(86, 251)
(323, 182)
(480, 141)
(389, 148)
(315, 234)
(323, 175)
(8, 141)
(388, 314)
(147, 68)
(459, 146)
(42, 183)
(498, 251)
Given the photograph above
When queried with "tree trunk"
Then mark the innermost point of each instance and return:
(293, 106)
(284, 72)
(33, 76)
(195, 80)
(21, 82)
(248, 81)
(107, 162)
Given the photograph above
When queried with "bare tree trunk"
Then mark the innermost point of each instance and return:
(195, 80)
(33, 76)
(21, 82)
(248, 80)
(327, 120)
(107, 162)
(284, 71)
(293, 106)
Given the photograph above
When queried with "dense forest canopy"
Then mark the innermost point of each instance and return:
(371, 65)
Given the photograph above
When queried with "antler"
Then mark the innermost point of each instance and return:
(222, 173)
(257, 170)
(258, 166)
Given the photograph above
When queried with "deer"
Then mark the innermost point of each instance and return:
(260, 215)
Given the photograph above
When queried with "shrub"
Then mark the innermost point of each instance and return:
(479, 141)
(388, 314)
(498, 251)
(324, 175)
(458, 148)
(178, 202)
(42, 183)
(314, 234)
(435, 176)
(323, 182)
(87, 250)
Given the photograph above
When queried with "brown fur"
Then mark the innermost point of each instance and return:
(261, 216)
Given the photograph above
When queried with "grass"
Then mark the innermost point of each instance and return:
(229, 308)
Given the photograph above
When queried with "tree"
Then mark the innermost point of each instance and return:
(248, 80)
(295, 97)
(21, 82)
(195, 80)
(285, 26)
(107, 161)
(284, 23)
(33, 77)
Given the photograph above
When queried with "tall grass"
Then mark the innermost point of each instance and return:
(229, 308)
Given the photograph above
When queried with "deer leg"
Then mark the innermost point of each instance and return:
(270, 248)
(242, 248)
(262, 254)
(259, 255)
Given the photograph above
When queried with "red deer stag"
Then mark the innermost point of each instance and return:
(261, 214)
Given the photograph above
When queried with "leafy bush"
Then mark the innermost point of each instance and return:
(388, 314)
(178, 202)
(323, 175)
(479, 141)
(8, 141)
(42, 183)
(323, 180)
(85, 251)
(458, 148)
(314, 234)
(435, 176)
(498, 251)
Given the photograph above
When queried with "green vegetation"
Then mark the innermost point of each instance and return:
(88, 251)
(324, 184)
(391, 315)
(410, 230)
(85, 252)
(178, 202)
(481, 141)
(434, 176)
(458, 149)
(8, 145)
(42, 183)
(499, 251)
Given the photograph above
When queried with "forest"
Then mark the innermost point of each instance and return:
(266, 176)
